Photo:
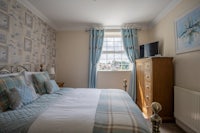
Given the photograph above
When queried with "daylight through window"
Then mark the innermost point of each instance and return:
(113, 56)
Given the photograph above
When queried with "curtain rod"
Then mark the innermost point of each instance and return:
(115, 28)
(88, 30)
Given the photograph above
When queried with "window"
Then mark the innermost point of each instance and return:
(113, 56)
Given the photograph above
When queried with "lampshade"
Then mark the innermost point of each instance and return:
(51, 70)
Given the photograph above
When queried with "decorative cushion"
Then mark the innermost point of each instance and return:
(27, 94)
(4, 101)
(39, 82)
(14, 98)
(55, 86)
(48, 86)
(12, 81)
(9, 82)
(29, 78)
(51, 86)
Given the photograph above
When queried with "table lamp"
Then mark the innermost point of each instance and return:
(51, 72)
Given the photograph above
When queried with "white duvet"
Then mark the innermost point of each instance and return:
(72, 113)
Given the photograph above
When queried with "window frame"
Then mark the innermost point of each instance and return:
(116, 34)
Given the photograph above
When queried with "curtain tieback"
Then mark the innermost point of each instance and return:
(131, 47)
(95, 48)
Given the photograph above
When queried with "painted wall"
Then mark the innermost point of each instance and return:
(24, 38)
(144, 36)
(72, 58)
(187, 73)
(112, 79)
(72, 61)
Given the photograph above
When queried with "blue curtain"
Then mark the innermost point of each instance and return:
(96, 42)
(131, 47)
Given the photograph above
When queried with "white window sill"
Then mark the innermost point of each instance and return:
(114, 71)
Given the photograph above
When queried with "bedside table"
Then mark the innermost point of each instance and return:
(60, 84)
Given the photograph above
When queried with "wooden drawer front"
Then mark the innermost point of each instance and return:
(148, 100)
(147, 76)
(139, 103)
(144, 110)
(147, 65)
(148, 93)
(147, 85)
(149, 111)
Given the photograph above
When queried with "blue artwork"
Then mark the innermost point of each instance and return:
(3, 54)
(188, 32)
(3, 38)
(4, 21)
(4, 5)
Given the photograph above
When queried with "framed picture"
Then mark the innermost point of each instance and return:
(3, 54)
(4, 5)
(28, 20)
(53, 52)
(27, 44)
(43, 28)
(43, 59)
(28, 33)
(27, 66)
(4, 21)
(43, 50)
(54, 36)
(3, 38)
(43, 39)
(187, 30)
(27, 58)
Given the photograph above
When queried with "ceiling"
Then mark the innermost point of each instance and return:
(73, 13)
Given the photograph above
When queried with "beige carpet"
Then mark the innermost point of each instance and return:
(168, 128)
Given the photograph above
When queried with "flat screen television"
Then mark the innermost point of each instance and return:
(149, 49)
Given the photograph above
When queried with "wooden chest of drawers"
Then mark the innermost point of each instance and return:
(155, 83)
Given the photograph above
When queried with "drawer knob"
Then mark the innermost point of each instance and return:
(147, 76)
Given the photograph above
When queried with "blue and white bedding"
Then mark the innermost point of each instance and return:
(77, 111)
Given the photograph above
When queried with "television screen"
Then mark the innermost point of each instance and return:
(150, 49)
(141, 51)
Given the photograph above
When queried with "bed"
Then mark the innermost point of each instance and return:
(73, 110)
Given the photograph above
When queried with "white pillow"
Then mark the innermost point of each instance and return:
(51, 86)
(29, 78)
(9, 74)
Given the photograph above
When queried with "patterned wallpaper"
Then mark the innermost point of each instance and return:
(24, 38)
